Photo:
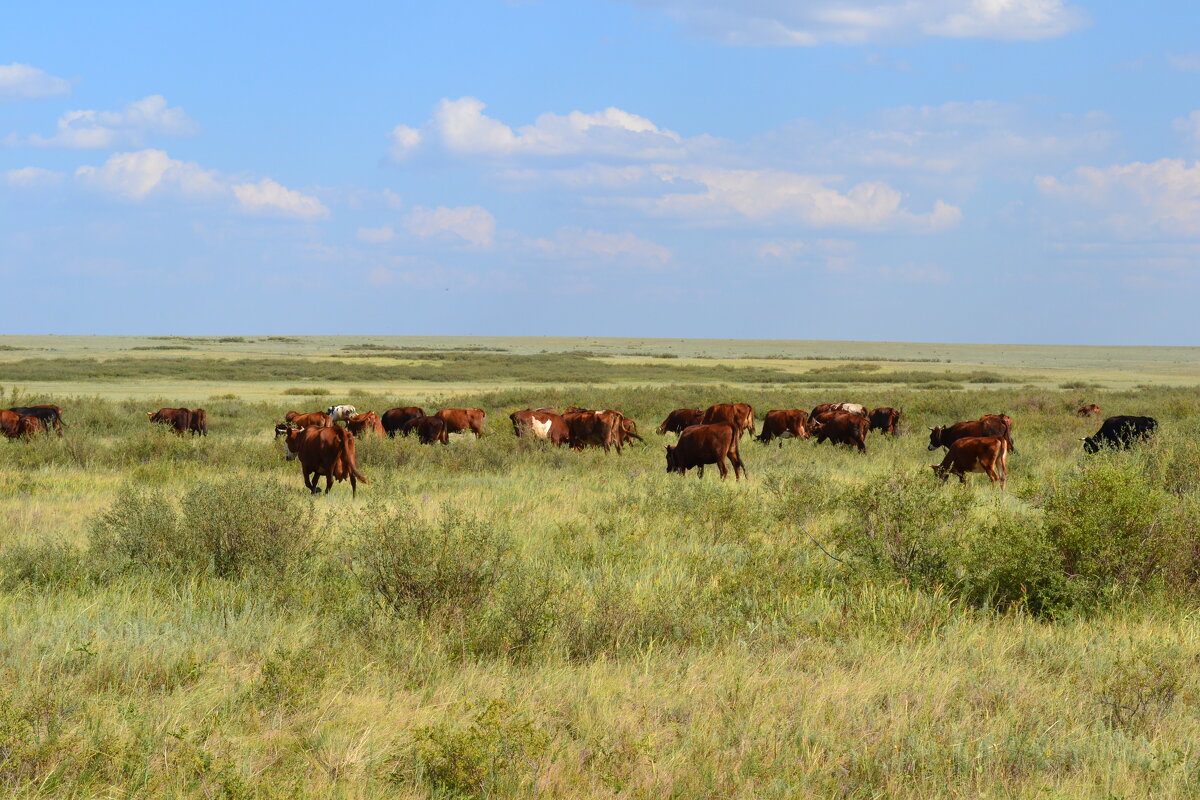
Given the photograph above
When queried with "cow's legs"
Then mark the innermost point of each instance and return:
(723, 469)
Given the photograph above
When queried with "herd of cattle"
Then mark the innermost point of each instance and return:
(326, 449)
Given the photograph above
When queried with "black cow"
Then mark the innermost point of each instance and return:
(1120, 432)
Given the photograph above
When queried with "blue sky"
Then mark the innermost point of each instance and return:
(912, 170)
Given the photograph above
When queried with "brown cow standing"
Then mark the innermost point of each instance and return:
(367, 422)
(463, 419)
(49, 414)
(679, 419)
(975, 454)
(198, 422)
(1090, 410)
(16, 426)
(739, 415)
(884, 420)
(784, 424)
(597, 428)
(180, 419)
(989, 425)
(541, 424)
(327, 452)
(429, 429)
(314, 419)
(851, 408)
(842, 427)
(394, 418)
(706, 444)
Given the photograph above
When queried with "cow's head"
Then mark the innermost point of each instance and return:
(1091, 445)
(940, 471)
(671, 465)
(935, 438)
(282, 429)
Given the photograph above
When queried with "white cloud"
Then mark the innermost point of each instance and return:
(376, 235)
(461, 127)
(131, 125)
(1185, 62)
(473, 224)
(576, 243)
(269, 197)
(1189, 126)
(1137, 198)
(136, 175)
(834, 255)
(775, 196)
(813, 22)
(32, 178)
(142, 173)
(21, 82)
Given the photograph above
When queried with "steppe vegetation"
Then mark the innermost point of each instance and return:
(499, 618)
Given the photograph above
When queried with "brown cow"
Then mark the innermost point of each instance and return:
(884, 420)
(540, 424)
(975, 454)
(739, 415)
(988, 425)
(842, 427)
(707, 444)
(679, 419)
(366, 422)
(198, 422)
(628, 429)
(1090, 410)
(462, 419)
(394, 418)
(180, 419)
(323, 451)
(314, 419)
(429, 429)
(597, 428)
(784, 424)
(16, 426)
(49, 414)
(851, 408)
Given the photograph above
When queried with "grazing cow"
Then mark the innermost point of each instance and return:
(429, 429)
(180, 419)
(739, 415)
(198, 422)
(596, 428)
(884, 420)
(51, 415)
(707, 444)
(327, 452)
(850, 408)
(842, 427)
(988, 425)
(341, 413)
(1121, 431)
(784, 424)
(679, 419)
(1090, 410)
(366, 422)
(459, 420)
(540, 424)
(975, 454)
(315, 419)
(16, 426)
(394, 418)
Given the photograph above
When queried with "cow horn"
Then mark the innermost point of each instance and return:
(1083, 438)
(928, 427)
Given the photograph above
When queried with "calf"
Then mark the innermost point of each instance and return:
(679, 419)
(459, 420)
(18, 426)
(428, 429)
(842, 427)
(975, 454)
(540, 424)
(327, 452)
(706, 444)
(884, 420)
(315, 419)
(341, 413)
(739, 415)
(394, 418)
(1090, 410)
(784, 424)
(1120, 431)
(367, 422)
(596, 428)
(628, 430)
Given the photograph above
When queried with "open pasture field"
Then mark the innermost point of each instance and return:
(500, 618)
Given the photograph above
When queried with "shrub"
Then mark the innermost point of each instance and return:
(41, 565)
(410, 563)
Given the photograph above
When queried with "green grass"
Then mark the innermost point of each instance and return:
(500, 618)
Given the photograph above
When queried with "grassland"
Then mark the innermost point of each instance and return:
(498, 618)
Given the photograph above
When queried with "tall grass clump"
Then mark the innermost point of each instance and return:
(227, 528)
